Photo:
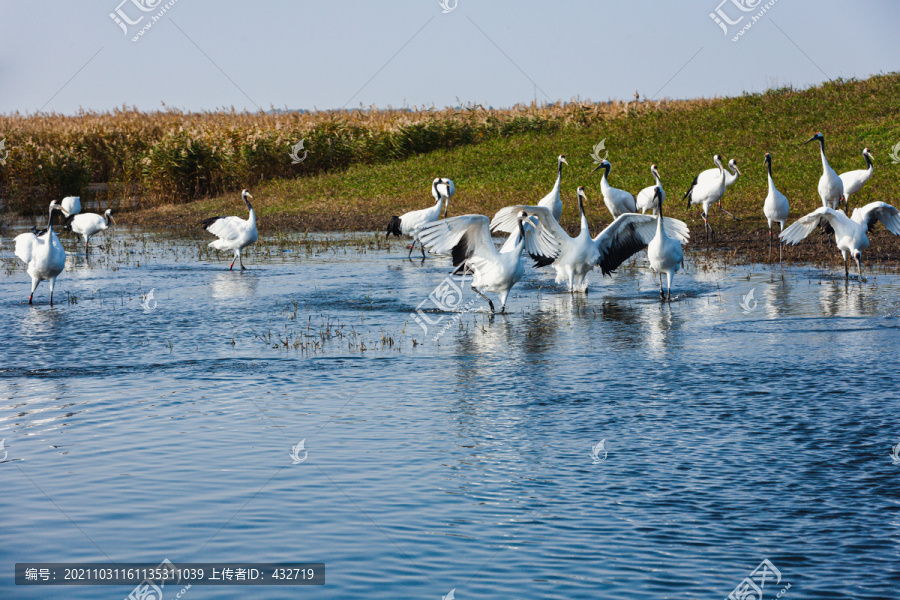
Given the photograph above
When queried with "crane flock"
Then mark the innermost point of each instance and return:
(535, 230)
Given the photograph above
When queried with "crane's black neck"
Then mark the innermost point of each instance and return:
(769, 166)
(435, 190)
(606, 169)
(50, 221)
(559, 169)
(106, 217)
(868, 160)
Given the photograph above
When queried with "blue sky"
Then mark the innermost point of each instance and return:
(203, 55)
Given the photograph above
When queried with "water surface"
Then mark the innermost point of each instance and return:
(731, 435)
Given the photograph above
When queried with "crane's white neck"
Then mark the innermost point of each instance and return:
(604, 181)
(825, 166)
(50, 223)
(558, 180)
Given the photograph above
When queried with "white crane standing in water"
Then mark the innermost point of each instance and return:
(831, 188)
(628, 234)
(617, 201)
(43, 255)
(467, 239)
(665, 253)
(234, 233)
(411, 222)
(853, 181)
(776, 207)
(850, 233)
(88, 224)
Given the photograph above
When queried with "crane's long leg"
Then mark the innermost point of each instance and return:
(241, 261)
(706, 228)
(669, 286)
(233, 258)
(411, 248)
(858, 270)
(846, 268)
(34, 284)
(727, 213)
(780, 243)
(479, 292)
(52, 285)
(770, 243)
(422, 248)
(662, 295)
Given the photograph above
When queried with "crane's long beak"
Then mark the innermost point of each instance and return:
(597, 168)
(809, 140)
(565, 161)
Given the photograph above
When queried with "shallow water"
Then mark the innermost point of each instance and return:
(459, 463)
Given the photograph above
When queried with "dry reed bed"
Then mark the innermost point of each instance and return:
(174, 157)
